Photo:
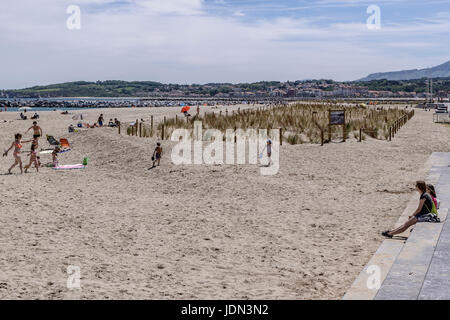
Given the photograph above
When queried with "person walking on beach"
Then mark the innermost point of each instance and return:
(423, 212)
(37, 131)
(17, 145)
(156, 158)
(33, 159)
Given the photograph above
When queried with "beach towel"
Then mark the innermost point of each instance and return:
(69, 167)
(52, 141)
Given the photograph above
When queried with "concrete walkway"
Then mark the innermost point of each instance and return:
(419, 267)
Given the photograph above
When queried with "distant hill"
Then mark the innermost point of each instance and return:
(117, 88)
(441, 71)
(110, 88)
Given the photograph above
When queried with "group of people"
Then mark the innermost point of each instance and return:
(24, 117)
(425, 212)
(17, 145)
(100, 122)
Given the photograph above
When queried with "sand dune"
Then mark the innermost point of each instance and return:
(207, 232)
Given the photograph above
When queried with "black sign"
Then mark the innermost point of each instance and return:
(337, 117)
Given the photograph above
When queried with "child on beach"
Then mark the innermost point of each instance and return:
(55, 157)
(17, 145)
(269, 150)
(33, 159)
(35, 142)
(157, 154)
(268, 147)
(37, 131)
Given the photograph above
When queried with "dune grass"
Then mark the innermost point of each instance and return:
(301, 123)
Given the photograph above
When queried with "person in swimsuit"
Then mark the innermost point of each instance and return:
(35, 142)
(157, 154)
(33, 158)
(55, 161)
(37, 131)
(17, 145)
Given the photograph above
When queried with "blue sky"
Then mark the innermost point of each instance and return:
(200, 41)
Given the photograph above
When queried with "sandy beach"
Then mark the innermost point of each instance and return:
(198, 231)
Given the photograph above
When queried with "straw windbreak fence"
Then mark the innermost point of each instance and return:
(296, 123)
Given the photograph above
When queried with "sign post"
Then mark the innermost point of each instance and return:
(336, 118)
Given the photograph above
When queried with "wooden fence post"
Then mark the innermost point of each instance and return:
(281, 136)
(151, 124)
(119, 127)
(343, 132)
(360, 134)
(162, 132)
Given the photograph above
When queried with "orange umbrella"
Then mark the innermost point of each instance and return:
(185, 109)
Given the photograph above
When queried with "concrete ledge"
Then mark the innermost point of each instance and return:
(384, 257)
(408, 269)
(407, 274)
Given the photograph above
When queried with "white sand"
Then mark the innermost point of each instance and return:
(208, 232)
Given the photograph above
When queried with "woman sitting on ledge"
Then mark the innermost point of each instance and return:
(423, 213)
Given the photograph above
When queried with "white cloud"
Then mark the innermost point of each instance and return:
(239, 14)
(183, 7)
(179, 41)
